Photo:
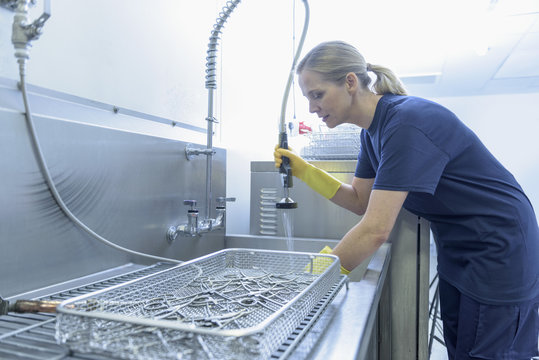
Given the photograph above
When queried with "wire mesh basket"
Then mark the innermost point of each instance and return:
(332, 145)
(232, 304)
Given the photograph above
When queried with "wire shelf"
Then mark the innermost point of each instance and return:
(332, 145)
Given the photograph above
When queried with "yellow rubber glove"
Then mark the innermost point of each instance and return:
(327, 250)
(317, 179)
(320, 264)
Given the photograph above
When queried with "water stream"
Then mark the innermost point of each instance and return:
(287, 216)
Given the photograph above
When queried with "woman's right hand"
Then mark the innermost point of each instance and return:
(297, 164)
(317, 179)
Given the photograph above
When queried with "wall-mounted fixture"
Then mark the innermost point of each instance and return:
(24, 32)
(194, 227)
(11, 4)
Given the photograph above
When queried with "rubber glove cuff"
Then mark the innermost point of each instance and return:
(328, 250)
(320, 181)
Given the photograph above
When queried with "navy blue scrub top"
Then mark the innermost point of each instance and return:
(483, 224)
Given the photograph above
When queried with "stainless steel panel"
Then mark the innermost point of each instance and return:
(126, 186)
(315, 217)
(404, 308)
(349, 334)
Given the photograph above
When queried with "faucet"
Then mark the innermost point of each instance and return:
(194, 227)
(285, 170)
(23, 31)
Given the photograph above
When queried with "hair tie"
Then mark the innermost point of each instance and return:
(369, 67)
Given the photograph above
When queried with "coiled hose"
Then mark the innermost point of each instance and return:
(211, 58)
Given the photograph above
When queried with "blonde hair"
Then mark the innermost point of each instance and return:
(334, 59)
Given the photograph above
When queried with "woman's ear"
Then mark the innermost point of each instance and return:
(351, 81)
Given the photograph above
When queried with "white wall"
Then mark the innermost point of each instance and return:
(145, 56)
(509, 126)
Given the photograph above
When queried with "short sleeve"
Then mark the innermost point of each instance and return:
(364, 167)
(410, 161)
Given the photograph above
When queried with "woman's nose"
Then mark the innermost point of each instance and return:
(313, 107)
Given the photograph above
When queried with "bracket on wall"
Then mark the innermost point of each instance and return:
(191, 152)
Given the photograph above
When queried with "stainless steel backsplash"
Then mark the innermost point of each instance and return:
(126, 186)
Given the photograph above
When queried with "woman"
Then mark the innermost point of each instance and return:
(418, 155)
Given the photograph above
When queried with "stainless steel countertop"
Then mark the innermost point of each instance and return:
(343, 331)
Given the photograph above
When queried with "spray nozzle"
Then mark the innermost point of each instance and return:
(286, 202)
(286, 177)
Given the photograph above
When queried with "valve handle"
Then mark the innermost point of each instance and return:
(191, 203)
(221, 200)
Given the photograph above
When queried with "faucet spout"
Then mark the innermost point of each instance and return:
(208, 225)
(194, 227)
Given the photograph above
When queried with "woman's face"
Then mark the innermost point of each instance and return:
(330, 101)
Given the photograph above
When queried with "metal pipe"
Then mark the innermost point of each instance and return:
(209, 157)
(211, 85)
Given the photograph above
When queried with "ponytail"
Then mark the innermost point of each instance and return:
(334, 59)
(386, 81)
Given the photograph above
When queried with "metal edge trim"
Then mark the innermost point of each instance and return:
(364, 342)
(324, 303)
(41, 91)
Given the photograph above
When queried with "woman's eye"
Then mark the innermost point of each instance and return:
(317, 95)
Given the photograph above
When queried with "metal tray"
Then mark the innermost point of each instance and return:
(232, 304)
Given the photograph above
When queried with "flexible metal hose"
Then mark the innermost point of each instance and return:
(211, 58)
(282, 124)
(285, 169)
(48, 178)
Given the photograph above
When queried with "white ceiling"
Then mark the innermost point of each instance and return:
(441, 47)
(497, 52)
(438, 47)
